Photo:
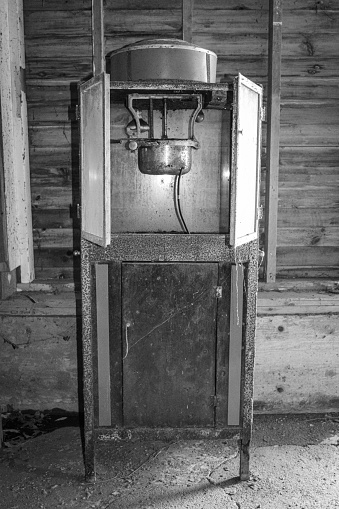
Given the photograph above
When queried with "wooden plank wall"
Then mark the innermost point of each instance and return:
(58, 55)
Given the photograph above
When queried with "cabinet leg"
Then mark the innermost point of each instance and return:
(89, 454)
(244, 447)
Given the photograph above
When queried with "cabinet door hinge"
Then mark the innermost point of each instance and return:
(263, 114)
(77, 112)
(218, 292)
(260, 212)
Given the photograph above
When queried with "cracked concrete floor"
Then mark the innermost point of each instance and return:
(294, 463)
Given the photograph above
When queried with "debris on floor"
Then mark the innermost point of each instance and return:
(293, 465)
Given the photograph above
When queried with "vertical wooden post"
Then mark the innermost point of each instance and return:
(98, 40)
(15, 157)
(187, 20)
(273, 133)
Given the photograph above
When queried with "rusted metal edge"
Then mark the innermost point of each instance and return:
(126, 434)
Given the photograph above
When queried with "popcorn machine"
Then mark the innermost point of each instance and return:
(170, 166)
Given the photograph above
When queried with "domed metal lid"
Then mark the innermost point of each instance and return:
(161, 43)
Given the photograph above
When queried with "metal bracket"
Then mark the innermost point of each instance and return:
(218, 292)
(263, 114)
(219, 99)
(77, 112)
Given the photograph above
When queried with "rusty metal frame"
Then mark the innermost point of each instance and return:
(173, 248)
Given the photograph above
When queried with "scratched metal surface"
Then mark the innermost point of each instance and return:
(184, 248)
(169, 311)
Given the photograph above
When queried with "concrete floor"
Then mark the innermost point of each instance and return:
(294, 463)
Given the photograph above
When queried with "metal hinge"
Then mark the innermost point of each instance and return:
(218, 292)
(77, 112)
(263, 114)
(260, 212)
(78, 211)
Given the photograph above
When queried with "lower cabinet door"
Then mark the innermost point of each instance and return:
(169, 313)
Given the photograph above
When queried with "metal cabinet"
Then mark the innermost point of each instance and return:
(169, 275)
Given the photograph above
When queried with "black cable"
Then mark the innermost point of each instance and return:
(177, 201)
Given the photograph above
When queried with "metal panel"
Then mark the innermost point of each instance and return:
(146, 203)
(245, 166)
(169, 323)
(235, 346)
(95, 160)
(102, 320)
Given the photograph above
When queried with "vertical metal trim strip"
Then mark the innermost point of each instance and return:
(208, 67)
(235, 346)
(102, 311)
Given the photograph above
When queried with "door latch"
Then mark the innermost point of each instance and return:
(214, 399)
(218, 292)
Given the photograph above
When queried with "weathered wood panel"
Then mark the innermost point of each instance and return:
(325, 7)
(58, 49)
(310, 87)
(54, 136)
(52, 218)
(309, 197)
(309, 157)
(297, 363)
(308, 272)
(308, 256)
(310, 216)
(51, 197)
(309, 135)
(303, 303)
(38, 362)
(54, 237)
(320, 236)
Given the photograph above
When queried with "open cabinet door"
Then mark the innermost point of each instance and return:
(95, 160)
(245, 165)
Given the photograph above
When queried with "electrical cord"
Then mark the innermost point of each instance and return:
(177, 201)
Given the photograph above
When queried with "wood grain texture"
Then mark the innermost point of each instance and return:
(297, 363)
(58, 54)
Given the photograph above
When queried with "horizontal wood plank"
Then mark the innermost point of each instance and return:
(310, 112)
(306, 236)
(299, 272)
(240, 21)
(309, 157)
(307, 256)
(309, 135)
(322, 8)
(65, 5)
(296, 362)
(47, 238)
(308, 198)
(57, 273)
(311, 217)
(78, 23)
(54, 136)
(291, 303)
(311, 87)
(53, 218)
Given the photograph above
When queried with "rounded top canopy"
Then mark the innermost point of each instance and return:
(163, 59)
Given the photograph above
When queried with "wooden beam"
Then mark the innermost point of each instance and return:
(98, 42)
(273, 134)
(15, 154)
(187, 19)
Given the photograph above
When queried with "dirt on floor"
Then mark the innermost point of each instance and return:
(294, 463)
